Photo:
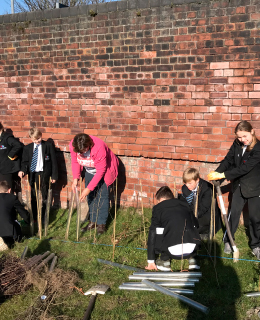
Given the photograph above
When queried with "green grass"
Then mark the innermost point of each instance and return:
(221, 289)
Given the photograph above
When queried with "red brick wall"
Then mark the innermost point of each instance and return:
(163, 83)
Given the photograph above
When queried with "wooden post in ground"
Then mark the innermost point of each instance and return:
(114, 226)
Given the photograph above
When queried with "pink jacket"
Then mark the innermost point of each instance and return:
(106, 163)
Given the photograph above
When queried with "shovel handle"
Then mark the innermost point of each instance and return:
(90, 307)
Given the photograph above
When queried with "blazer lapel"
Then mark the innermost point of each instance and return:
(31, 152)
(43, 152)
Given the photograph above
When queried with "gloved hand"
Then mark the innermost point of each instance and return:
(214, 175)
(12, 158)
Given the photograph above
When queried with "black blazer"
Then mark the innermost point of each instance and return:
(243, 170)
(204, 206)
(10, 205)
(179, 223)
(50, 167)
(9, 147)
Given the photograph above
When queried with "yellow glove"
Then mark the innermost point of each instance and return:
(12, 158)
(215, 175)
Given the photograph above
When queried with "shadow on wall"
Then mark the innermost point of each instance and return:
(121, 182)
(16, 187)
(62, 176)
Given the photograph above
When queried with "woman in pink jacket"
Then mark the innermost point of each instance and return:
(101, 169)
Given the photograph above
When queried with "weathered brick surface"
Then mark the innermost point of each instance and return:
(162, 82)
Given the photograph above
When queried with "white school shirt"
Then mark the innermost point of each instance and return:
(39, 166)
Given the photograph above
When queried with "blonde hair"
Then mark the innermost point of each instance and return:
(190, 174)
(246, 126)
(35, 133)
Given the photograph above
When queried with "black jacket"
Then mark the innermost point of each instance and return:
(9, 147)
(10, 205)
(204, 206)
(50, 167)
(243, 170)
(179, 223)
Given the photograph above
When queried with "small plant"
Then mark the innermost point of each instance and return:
(92, 13)
(138, 13)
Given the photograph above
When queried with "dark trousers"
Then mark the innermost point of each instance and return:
(237, 205)
(44, 189)
(9, 241)
(98, 200)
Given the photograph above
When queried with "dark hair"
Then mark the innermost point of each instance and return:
(246, 126)
(164, 192)
(1, 127)
(4, 186)
(81, 142)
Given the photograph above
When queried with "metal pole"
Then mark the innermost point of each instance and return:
(165, 284)
(161, 278)
(190, 302)
(170, 274)
(127, 287)
(252, 294)
(12, 6)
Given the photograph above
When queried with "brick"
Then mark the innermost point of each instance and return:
(165, 96)
(254, 95)
(219, 65)
(237, 80)
(241, 95)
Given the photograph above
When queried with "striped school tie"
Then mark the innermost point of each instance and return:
(191, 196)
(34, 158)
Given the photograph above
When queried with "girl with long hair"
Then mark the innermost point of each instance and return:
(242, 166)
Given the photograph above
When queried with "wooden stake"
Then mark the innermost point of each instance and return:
(114, 227)
(37, 202)
(47, 211)
(196, 204)
(211, 222)
(29, 206)
(142, 205)
(69, 215)
(78, 213)
(182, 262)
(80, 182)
(40, 208)
(214, 227)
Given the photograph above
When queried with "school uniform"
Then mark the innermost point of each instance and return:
(46, 168)
(10, 148)
(204, 205)
(10, 229)
(173, 232)
(243, 168)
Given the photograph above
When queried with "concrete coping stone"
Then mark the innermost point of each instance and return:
(97, 8)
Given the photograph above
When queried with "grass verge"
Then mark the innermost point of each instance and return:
(221, 288)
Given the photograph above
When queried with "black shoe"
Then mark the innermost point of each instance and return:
(193, 264)
(101, 228)
(204, 236)
(227, 248)
(163, 265)
(90, 226)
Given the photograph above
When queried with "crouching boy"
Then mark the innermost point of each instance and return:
(190, 191)
(10, 230)
(173, 232)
